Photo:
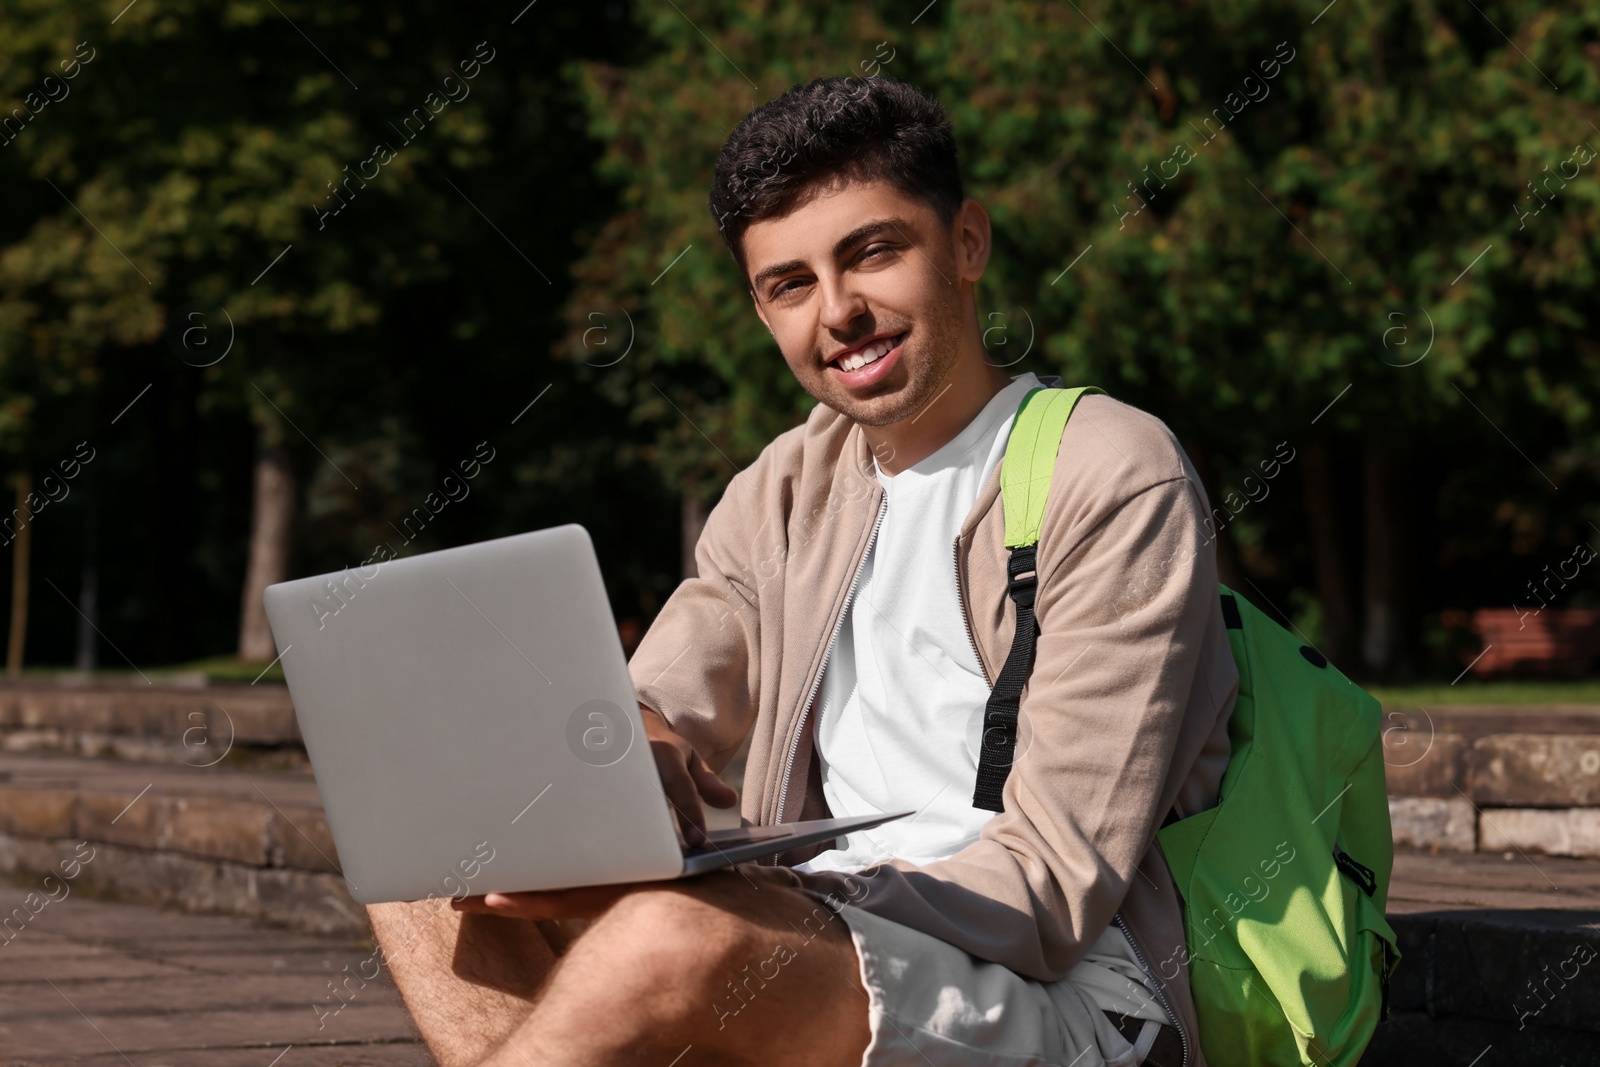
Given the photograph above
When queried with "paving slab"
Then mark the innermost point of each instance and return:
(98, 982)
(1443, 881)
(377, 1054)
(89, 982)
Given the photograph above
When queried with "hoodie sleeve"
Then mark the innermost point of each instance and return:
(698, 664)
(1114, 713)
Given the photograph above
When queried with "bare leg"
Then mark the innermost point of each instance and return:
(728, 969)
(466, 978)
(716, 969)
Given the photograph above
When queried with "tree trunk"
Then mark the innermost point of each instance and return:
(694, 521)
(19, 578)
(88, 658)
(1329, 558)
(1384, 573)
(271, 514)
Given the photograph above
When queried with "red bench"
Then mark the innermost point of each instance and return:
(1564, 641)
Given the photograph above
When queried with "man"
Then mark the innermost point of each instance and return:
(849, 617)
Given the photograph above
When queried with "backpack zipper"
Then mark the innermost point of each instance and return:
(805, 706)
(1155, 986)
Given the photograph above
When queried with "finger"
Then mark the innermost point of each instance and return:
(473, 904)
(579, 902)
(685, 800)
(541, 905)
(713, 789)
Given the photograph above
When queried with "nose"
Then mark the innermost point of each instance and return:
(842, 304)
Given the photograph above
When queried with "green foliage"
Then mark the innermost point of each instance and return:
(1250, 245)
(192, 199)
(197, 166)
(1301, 236)
(702, 377)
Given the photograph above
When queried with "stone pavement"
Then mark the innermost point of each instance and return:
(126, 796)
(92, 983)
(1493, 970)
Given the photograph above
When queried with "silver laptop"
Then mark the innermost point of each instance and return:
(473, 728)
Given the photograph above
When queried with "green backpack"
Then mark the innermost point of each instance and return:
(1285, 881)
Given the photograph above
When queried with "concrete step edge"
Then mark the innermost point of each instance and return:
(53, 868)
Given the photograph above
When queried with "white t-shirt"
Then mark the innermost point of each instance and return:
(900, 711)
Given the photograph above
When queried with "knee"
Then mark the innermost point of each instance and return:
(674, 954)
(668, 938)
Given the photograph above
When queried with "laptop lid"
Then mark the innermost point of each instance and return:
(471, 723)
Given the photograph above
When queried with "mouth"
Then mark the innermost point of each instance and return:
(862, 356)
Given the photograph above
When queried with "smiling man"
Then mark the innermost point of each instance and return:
(848, 621)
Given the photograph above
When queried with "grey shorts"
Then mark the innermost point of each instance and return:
(931, 1004)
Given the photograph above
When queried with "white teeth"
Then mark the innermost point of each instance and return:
(871, 354)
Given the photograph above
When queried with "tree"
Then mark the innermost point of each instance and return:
(1250, 221)
(206, 229)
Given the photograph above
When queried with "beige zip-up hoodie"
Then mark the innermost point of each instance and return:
(1124, 717)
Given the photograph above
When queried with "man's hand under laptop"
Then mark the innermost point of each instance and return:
(685, 779)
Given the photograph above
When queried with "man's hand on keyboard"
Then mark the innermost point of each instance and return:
(685, 778)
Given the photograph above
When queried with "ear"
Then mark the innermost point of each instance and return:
(973, 240)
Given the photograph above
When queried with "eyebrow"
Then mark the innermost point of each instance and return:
(844, 244)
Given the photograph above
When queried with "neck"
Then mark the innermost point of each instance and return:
(957, 401)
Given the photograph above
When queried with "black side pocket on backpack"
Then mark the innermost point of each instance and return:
(1361, 875)
(1363, 878)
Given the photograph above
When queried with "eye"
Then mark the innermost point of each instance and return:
(875, 250)
(784, 287)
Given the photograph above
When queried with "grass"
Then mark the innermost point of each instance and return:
(215, 669)
(1579, 691)
(228, 669)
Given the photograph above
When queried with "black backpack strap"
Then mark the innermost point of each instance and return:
(1000, 713)
(1024, 487)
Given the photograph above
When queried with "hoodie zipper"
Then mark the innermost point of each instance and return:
(805, 706)
(1155, 986)
(961, 598)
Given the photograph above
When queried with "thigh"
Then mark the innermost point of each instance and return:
(734, 966)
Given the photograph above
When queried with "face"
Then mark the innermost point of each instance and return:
(861, 286)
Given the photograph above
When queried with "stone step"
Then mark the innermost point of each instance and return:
(221, 839)
(1458, 825)
(248, 843)
(1496, 953)
(254, 843)
(196, 724)
(1494, 756)
(1544, 756)
(1503, 755)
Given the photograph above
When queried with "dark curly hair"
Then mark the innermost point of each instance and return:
(830, 130)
